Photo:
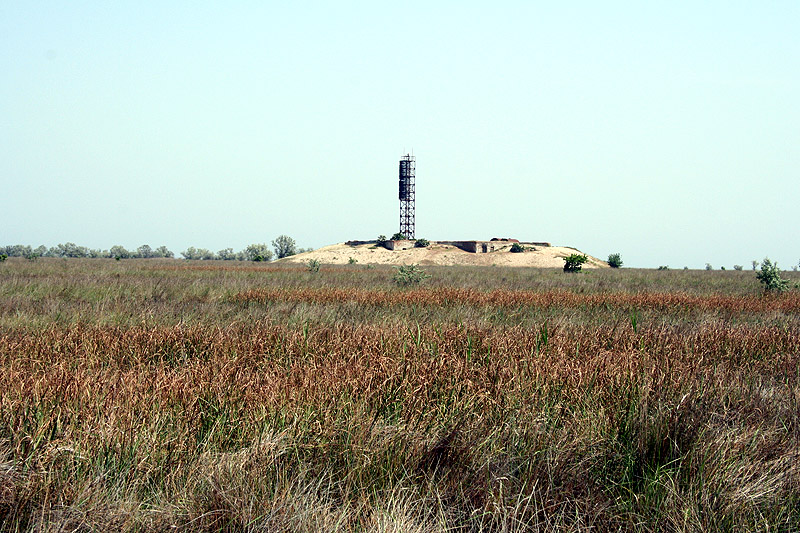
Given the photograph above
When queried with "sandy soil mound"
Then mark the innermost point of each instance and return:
(442, 254)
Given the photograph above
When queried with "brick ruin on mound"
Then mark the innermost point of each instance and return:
(475, 247)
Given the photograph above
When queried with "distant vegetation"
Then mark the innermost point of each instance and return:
(71, 249)
(284, 246)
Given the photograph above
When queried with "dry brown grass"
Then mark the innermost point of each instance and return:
(452, 421)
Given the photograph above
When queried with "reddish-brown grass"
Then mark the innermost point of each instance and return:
(446, 296)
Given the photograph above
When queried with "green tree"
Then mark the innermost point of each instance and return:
(227, 254)
(614, 260)
(119, 252)
(258, 252)
(144, 252)
(163, 251)
(198, 253)
(189, 253)
(284, 246)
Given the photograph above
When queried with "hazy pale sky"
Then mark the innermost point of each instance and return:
(668, 132)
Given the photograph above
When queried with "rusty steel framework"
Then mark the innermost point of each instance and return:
(408, 165)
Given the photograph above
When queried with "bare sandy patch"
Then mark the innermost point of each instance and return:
(442, 254)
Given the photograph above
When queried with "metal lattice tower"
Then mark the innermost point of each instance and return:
(408, 165)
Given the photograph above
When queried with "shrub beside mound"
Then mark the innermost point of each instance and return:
(517, 248)
(614, 260)
(574, 262)
(422, 243)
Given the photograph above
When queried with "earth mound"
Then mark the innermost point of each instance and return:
(442, 254)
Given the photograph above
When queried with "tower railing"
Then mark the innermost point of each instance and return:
(407, 194)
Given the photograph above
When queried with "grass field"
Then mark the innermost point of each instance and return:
(146, 394)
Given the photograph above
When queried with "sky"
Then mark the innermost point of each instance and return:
(668, 132)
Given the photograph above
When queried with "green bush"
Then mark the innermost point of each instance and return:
(770, 276)
(574, 262)
(313, 265)
(3, 257)
(614, 260)
(517, 248)
(422, 243)
(398, 237)
(709, 267)
(352, 261)
(381, 240)
(666, 267)
(738, 267)
(409, 275)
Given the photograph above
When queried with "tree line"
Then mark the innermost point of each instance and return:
(282, 246)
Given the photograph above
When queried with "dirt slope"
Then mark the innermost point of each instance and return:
(441, 254)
